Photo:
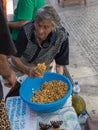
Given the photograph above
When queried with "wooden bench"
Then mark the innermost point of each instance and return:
(61, 2)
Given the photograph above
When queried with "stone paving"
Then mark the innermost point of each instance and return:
(82, 24)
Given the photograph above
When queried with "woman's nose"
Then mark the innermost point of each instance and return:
(41, 30)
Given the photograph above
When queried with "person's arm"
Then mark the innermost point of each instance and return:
(18, 24)
(4, 68)
(19, 65)
(6, 72)
(6, 48)
(60, 69)
(30, 71)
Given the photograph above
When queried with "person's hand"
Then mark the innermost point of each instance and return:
(10, 81)
(34, 72)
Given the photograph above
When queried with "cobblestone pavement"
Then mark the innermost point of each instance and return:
(82, 24)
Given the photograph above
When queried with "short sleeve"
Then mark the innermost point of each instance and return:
(21, 43)
(62, 58)
(27, 9)
(24, 10)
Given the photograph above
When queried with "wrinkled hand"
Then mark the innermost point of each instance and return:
(34, 72)
(10, 81)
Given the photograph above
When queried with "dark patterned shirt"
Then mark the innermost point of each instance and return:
(56, 46)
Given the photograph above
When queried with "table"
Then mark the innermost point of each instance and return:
(23, 118)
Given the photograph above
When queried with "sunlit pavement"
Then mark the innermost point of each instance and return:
(82, 24)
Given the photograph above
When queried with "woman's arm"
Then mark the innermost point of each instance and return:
(19, 65)
(60, 69)
(31, 71)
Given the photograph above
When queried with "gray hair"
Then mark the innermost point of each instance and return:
(48, 12)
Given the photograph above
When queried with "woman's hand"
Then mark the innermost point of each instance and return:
(34, 72)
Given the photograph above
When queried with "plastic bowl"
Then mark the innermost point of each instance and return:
(29, 83)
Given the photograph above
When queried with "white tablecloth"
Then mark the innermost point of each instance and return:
(23, 118)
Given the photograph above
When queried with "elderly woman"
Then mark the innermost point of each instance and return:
(42, 40)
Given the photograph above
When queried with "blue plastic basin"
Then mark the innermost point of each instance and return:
(29, 83)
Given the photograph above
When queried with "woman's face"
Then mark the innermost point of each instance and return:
(42, 29)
